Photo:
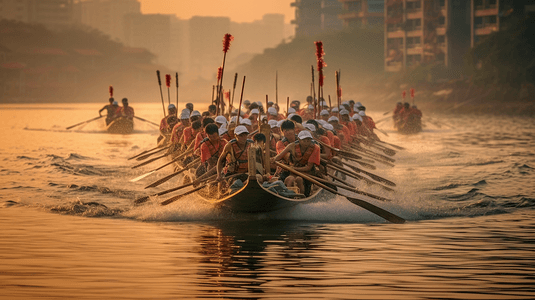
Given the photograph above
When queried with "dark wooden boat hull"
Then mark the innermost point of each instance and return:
(253, 198)
(121, 126)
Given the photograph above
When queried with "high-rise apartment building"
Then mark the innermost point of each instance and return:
(149, 31)
(314, 17)
(54, 14)
(362, 13)
(107, 15)
(425, 32)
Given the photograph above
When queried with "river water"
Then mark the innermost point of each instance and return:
(69, 228)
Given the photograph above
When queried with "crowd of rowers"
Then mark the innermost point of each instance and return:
(406, 116)
(114, 111)
(297, 138)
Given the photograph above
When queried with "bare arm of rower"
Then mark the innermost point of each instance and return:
(221, 161)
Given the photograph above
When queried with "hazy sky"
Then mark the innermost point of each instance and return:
(237, 10)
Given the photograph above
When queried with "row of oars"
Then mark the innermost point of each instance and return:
(365, 158)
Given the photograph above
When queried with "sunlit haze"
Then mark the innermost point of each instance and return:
(237, 10)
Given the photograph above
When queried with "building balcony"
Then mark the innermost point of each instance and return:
(415, 33)
(395, 34)
(441, 31)
(485, 30)
(486, 12)
(394, 67)
(351, 15)
(415, 15)
(414, 49)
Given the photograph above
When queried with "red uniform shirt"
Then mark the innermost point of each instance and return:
(209, 149)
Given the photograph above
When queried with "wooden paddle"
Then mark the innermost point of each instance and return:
(149, 161)
(141, 119)
(144, 152)
(194, 182)
(372, 176)
(173, 199)
(346, 186)
(205, 184)
(162, 166)
(363, 164)
(371, 153)
(84, 122)
(145, 156)
(372, 144)
(356, 176)
(368, 206)
(166, 178)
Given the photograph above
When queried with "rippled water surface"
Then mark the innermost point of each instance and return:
(69, 229)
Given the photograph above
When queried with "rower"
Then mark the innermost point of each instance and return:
(273, 114)
(189, 106)
(202, 135)
(212, 110)
(320, 135)
(305, 157)
(343, 131)
(168, 123)
(126, 110)
(178, 129)
(110, 110)
(235, 154)
(211, 148)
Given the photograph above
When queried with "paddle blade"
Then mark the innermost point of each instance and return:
(390, 217)
(165, 179)
(142, 200)
(141, 177)
(173, 199)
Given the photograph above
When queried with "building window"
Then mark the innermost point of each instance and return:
(413, 42)
(440, 57)
(354, 6)
(414, 59)
(414, 24)
(441, 40)
(412, 6)
(441, 21)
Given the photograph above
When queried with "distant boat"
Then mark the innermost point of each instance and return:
(121, 126)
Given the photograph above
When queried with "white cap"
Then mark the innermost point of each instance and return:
(184, 116)
(115, 103)
(333, 118)
(279, 123)
(291, 110)
(240, 129)
(328, 127)
(355, 107)
(233, 119)
(310, 127)
(345, 103)
(273, 123)
(290, 116)
(334, 110)
(222, 130)
(255, 111)
(304, 135)
(246, 102)
(324, 112)
(323, 103)
(221, 120)
(310, 107)
(246, 122)
(186, 111)
(195, 113)
(357, 117)
(322, 122)
(344, 112)
(171, 106)
(263, 117)
(272, 111)
(362, 113)
(259, 103)
(358, 104)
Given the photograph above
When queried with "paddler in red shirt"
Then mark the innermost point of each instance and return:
(210, 149)
(305, 157)
(125, 111)
(167, 124)
(235, 154)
